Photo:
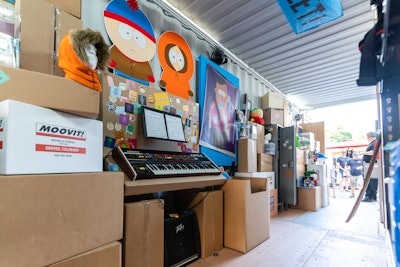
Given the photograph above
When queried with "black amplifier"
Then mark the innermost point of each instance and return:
(181, 240)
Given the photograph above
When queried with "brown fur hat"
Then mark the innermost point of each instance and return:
(80, 38)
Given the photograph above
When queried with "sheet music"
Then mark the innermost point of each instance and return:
(175, 128)
(155, 124)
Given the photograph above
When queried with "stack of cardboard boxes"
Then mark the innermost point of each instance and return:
(313, 198)
(58, 207)
(43, 24)
(247, 194)
(273, 106)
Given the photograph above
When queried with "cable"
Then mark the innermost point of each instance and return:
(199, 202)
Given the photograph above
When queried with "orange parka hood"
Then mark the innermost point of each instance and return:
(74, 61)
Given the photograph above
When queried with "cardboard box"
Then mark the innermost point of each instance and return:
(49, 218)
(300, 170)
(272, 100)
(208, 208)
(143, 243)
(309, 198)
(48, 91)
(71, 6)
(269, 175)
(287, 118)
(273, 116)
(40, 140)
(105, 256)
(247, 154)
(64, 23)
(318, 128)
(260, 137)
(265, 162)
(273, 202)
(246, 213)
(40, 24)
(300, 156)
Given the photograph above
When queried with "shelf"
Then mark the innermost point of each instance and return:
(146, 186)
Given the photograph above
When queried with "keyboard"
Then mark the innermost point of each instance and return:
(149, 164)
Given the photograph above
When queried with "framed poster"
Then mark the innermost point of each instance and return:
(218, 100)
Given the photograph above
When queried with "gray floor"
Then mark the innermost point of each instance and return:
(321, 238)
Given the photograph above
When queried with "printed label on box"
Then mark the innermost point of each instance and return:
(61, 139)
(60, 131)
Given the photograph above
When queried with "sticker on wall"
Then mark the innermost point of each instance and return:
(115, 91)
(134, 42)
(110, 106)
(112, 99)
(131, 85)
(110, 81)
(123, 119)
(161, 100)
(120, 110)
(125, 144)
(122, 86)
(129, 129)
(110, 126)
(177, 64)
(118, 126)
(119, 136)
(3, 77)
(133, 96)
(142, 90)
(142, 100)
(133, 142)
(188, 121)
(129, 108)
(124, 99)
(150, 99)
(109, 142)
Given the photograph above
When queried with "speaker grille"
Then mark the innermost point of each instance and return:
(181, 240)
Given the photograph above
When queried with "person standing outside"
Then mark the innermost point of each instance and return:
(341, 165)
(355, 165)
(370, 193)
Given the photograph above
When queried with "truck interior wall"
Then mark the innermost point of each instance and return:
(92, 16)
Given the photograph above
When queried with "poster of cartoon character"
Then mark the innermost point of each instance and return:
(177, 64)
(134, 42)
(218, 118)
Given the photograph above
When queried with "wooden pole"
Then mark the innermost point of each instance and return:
(366, 180)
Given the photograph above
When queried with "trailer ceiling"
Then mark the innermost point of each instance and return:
(317, 68)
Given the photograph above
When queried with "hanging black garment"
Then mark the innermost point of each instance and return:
(370, 47)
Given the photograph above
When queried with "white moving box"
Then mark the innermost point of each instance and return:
(37, 140)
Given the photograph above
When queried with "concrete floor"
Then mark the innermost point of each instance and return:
(322, 238)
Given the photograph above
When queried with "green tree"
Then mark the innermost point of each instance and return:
(338, 134)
